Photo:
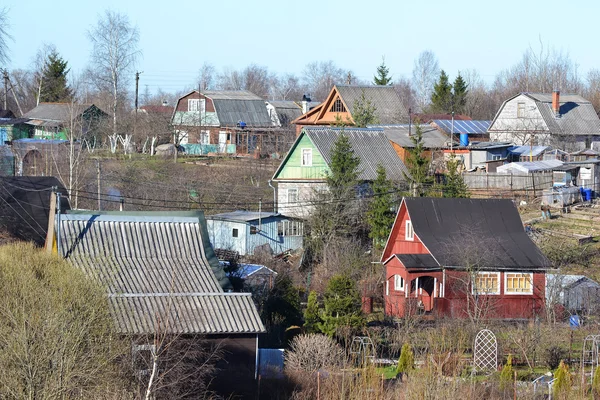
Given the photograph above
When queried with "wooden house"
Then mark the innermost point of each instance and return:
(461, 258)
(12, 127)
(341, 103)
(302, 172)
(162, 278)
(575, 293)
(567, 122)
(54, 120)
(244, 231)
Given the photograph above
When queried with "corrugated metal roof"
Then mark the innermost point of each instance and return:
(477, 127)
(432, 138)
(287, 111)
(388, 105)
(56, 111)
(369, 144)
(488, 233)
(527, 150)
(200, 313)
(244, 216)
(563, 98)
(252, 112)
(230, 95)
(527, 167)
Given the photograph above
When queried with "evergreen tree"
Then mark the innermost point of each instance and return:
(281, 309)
(506, 376)
(455, 185)
(364, 111)
(459, 95)
(418, 164)
(596, 383)
(342, 178)
(406, 362)
(54, 80)
(441, 98)
(380, 215)
(562, 383)
(383, 77)
(342, 306)
(311, 313)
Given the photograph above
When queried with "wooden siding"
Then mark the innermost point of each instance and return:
(397, 243)
(508, 127)
(293, 168)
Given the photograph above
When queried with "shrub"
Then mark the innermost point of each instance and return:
(313, 352)
(506, 376)
(406, 363)
(562, 384)
(553, 356)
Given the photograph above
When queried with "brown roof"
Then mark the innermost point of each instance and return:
(157, 109)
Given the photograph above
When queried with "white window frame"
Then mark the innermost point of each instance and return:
(204, 137)
(521, 109)
(297, 193)
(399, 283)
(530, 292)
(409, 232)
(308, 161)
(195, 105)
(473, 285)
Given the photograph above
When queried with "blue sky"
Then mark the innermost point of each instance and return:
(178, 36)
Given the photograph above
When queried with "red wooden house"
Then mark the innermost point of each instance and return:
(462, 258)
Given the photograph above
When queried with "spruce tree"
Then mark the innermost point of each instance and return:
(418, 164)
(506, 376)
(54, 80)
(364, 111)
(311, 314)
(342, 305)
(441, 98)
(455, 185)
(406, 362)
(380, 214)
(342, 178)
(383, 77)
(459, 94)
(563, 382)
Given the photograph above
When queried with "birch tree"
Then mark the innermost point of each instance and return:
(114, 54)
(425, 73)
(5, 37)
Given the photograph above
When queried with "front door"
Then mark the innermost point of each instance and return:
(222, 142)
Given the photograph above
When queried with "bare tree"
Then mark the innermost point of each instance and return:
(286, 87)
(425, 72)
(319, 78)
(39, 63)
(592, 89)
(5, 37)
(206, 76)
(114, 53)
(407, 93)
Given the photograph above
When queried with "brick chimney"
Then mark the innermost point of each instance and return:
(556, 102)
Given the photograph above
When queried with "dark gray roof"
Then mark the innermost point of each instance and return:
(420, 261)
(198, 313)
(389, 107)
(371, 145)
(477, 127)
(157, 263)
(432, 138)
(252, 112)
(230, 95)
(485, 233)
(242, 216)
(57, 112)
(287, 111)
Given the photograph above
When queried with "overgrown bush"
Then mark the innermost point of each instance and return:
(553, 356)
(313, 352)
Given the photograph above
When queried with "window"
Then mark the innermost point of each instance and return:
(205, 137)
(409, 234)
(306, 157)
(496, 157)
(235, 232)
(290, 228)
(487, 283)
(520, 110)
(253, 230)
(196, 105)
(338, 106)
(398, 282)
(515, 283)
(292, 195)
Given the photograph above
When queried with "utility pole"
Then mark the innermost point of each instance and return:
(98, 170)
(137, 85)
(5, 75)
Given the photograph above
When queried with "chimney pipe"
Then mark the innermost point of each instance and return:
(556, 102)
(305, 101)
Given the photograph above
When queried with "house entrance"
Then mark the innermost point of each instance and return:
(426, 285)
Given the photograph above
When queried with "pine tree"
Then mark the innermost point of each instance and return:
(311, 314)
(54, 80)
(455, 185)
(364, 111)
(441, 98)
(459, 95)
(342, 306)
(506, 376)
(380, 215)
(383, 77)
(418, 164)
(406, 362)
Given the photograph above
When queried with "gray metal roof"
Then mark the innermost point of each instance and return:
(56, 111)
(527, 167)
(199, 313)
(432, 138)
(253, 112)
(389, 106)
(486, 233)
(287, 111)
(528, 150)
(243, 216)
(369, 144)
(230, 95)
(156, 263)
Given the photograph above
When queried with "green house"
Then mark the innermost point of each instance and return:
(53, 120)
(302, 172)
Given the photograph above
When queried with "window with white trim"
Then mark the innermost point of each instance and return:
(409, 233)
(520, 110)
(518, 283)
(204, 137)
(290, 228)
(398, 283)
(292, 195)
(487, 283)
(196, 105)
(306, 157)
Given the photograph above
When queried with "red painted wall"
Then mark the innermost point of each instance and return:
(397, 243)
(182, 104)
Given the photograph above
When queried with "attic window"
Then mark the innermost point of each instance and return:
(338, 106)
(520, 110)
(409, 234)
(196, 105)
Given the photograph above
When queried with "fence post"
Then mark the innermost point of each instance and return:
(318, 385)
(533, 182)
